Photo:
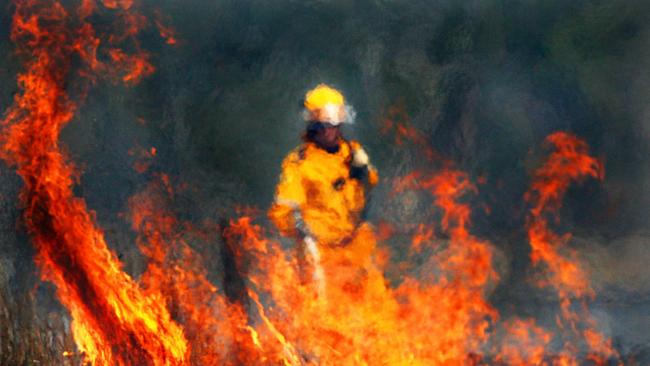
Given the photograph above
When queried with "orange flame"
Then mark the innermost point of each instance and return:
(215, 329)
(460, 314)
(524, 344)
(114, 322)
(361, 320)
(437, 313)
(166, 32)
(398, 122)
(568, 162)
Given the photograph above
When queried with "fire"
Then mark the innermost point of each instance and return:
(459, 313)
(143, 158)
(213, 326)
(361, 320)
(568, 162)
(524, 343)
(350, 313)
(114, 322)
(397, 121)
(166, 32)
(134, 66)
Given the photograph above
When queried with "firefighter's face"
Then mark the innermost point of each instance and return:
(328, 135)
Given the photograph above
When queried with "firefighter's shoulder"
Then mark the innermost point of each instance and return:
(354, 144)
(296, 155)
(359, 155)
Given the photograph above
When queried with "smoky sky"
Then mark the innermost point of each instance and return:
(484, 81)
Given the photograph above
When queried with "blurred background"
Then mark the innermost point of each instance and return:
(483, 81)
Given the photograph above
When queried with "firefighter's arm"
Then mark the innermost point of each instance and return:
(289, 197)
(360, 165)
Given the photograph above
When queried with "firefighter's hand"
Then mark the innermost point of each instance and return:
(360, 158)
(301, 226)
(361, 168)
(310, 241)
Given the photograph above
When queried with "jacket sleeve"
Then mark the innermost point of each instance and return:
(289, 196)
(373, 176)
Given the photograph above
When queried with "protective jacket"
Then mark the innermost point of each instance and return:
(328, 192)
(324, 190)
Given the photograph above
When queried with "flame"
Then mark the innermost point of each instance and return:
(398, 124)
(362, 321)
(114, 322)
(568, 162)
(143, 158)
(134, 67)
(166, 32)
(214, 328)
(458, 312)
(524, 343)
(436, 313)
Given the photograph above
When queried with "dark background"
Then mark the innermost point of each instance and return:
(485, 81)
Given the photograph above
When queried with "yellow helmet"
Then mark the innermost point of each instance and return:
(326, 104)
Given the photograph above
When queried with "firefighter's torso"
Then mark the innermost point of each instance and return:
(333, 200)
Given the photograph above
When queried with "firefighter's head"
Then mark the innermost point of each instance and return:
(325, 111)
(325, 135)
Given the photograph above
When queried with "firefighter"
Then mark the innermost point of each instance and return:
(321, 197)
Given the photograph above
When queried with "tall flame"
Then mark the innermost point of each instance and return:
(114, 322)
(217, 330)
(568, 162)
(457, 311)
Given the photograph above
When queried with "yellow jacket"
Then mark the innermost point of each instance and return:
(321, 188)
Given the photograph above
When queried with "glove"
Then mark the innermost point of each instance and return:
(360, 158)
(301, 225)
(361, 169)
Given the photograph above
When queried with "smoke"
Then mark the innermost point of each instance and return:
(484, 82)
(619, 274)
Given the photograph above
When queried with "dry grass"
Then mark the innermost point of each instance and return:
(28, 338)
